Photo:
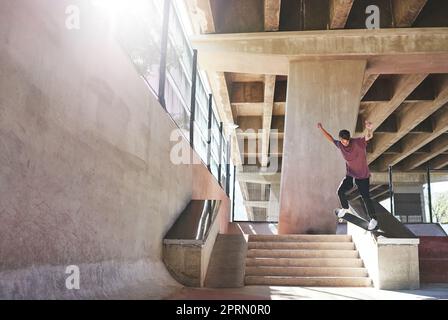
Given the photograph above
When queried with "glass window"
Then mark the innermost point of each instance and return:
(138, 28)
(439, 196)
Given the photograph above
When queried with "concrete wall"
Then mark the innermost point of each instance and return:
(85, 171)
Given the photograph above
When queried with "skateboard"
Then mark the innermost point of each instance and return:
(356, 220)
(390, 226)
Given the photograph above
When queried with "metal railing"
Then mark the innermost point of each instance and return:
(156, 42)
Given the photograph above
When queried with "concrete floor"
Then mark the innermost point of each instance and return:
(427, 292)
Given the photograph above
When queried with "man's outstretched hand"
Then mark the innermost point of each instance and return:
(368, 125)
(325, 133)
(369, 128)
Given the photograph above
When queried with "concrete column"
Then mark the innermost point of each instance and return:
(274, 197)
(318, 91)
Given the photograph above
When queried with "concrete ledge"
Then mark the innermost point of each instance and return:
(394, 241)
(392, 263)
(187, 260)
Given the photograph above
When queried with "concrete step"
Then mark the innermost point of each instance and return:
(300, 238)
(306, 271)
(305, 262)
(302, 245)
(309, 281)
(282, 253)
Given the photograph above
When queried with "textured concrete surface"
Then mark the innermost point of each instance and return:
(184, 262)
(393, 264)
(312, 167)
(398, 266)
(85, 171)
(304, 260)
(230, 15)
(390, 51)
(226, 268)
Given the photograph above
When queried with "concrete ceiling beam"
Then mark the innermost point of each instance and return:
(268, 106)
(247, 92)
(269, 87)
(272, 15)
(257, 204)
(369, 79)
(439, 163)
(393, 51)
(414, 142)
(255, 177)
(202, 16)
(405, 12)
(339, 11)
(377, 195)
(404, 86)
(256, 108)
(258, 135)
(437, 147)
(399, 177)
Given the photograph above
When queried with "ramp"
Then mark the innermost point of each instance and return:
(391, 226)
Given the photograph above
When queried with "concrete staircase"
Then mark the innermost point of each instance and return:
(304, 260)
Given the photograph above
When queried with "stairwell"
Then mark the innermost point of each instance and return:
(304, 260)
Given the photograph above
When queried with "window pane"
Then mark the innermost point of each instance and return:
(138, 28)
(439, 196)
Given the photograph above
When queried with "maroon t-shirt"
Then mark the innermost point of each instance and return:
(355, 157)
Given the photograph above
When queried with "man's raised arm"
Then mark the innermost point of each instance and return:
(368, 131)
(325, 133)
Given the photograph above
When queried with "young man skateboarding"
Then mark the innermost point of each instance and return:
(354, 152)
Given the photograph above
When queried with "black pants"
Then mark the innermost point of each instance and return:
(363, 188)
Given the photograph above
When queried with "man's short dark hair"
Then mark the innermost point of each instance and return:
(344, 134)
